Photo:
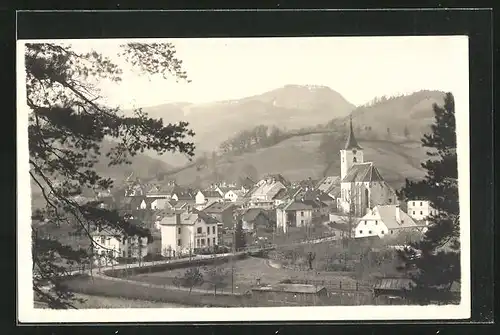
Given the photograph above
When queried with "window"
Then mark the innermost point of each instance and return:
(361, 232)
(354, 151)
(354, 160)
(202, 241)
(301, 213)
(421, 212)
(420, 203)
(208, 230)
(376, 222)
(369, 232)
(179, 242)
(391, 231)
(302, 221)
(382, 232)
(103, 240)
(413, 212)
(208, 241)
(197, 242)
(198, 230)
(342, 159)
(213, 229)
(213, 241)
(390, 201)
(365, 223)
(123, 253)
(179, 230)
(333, 234)
(414, 203)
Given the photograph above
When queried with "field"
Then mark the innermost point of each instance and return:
(299, 157)
(246, 273)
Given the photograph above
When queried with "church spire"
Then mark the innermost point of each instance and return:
(351, 140)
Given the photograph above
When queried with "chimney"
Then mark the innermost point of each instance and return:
(398, 216)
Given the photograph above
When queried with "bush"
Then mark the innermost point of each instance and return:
(126, 260)
(153, 257)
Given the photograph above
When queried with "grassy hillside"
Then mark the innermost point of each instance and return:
(289, 107)
(299, 158)
(389, 117)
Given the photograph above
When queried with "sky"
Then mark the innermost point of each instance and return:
(359, 68)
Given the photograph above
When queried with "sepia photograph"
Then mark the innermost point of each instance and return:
(297, 178)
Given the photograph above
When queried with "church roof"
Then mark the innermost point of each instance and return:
(362, 172)
(351, 140)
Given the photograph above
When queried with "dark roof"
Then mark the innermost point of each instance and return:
(329, 184)
(185, 195)
(297, 206)
(207, 218)
(351, 142)
(211, 194)
(362, 172)
(218, 207)
(282, 194)
(252, 213)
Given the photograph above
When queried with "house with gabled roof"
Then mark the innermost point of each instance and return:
(362, 186)
(187, 229)
(266, 192)
(206, 197)
(385, 220)
(293, 214)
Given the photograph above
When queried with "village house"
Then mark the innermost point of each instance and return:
(264, 193)
(185, 230)
(234, 195)
(330, 185)
(254, 218)
(110, 246)
(420, 210)
(385, 220)
(222, 212)
(362, 186)
(207, 197)
(293, 214)
(246, 184)
(319, 201)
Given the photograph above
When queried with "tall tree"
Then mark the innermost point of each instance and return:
(68, 121)
(438, 264)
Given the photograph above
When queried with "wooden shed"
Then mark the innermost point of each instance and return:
(290, 293)
(392, 289)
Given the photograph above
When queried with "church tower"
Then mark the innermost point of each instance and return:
(351, 154)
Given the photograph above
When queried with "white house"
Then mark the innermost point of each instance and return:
(110, 246)
(206, 198)
(263, 194)
(383, 221)
(420, 210)
(234, 195)
(293, 214)
(184, 230)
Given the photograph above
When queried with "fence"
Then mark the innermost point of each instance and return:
(333, 285)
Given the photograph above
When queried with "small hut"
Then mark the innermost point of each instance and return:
(296, 294)
(392, 290)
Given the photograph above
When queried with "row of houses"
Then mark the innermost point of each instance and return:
(277, 203)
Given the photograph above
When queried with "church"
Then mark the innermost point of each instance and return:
(362, 185)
